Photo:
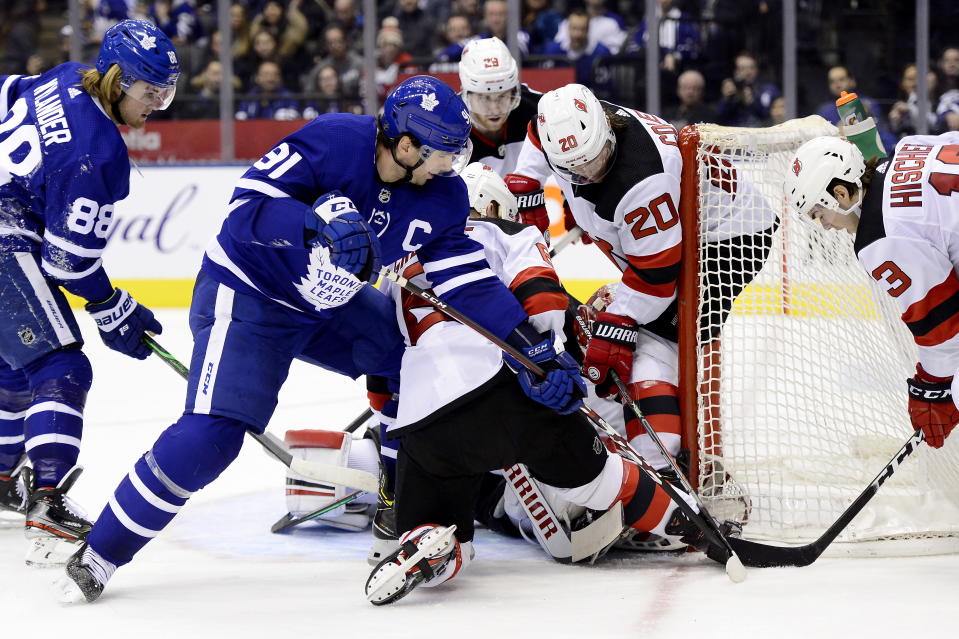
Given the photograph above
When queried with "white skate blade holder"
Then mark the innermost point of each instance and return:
(600, 533)
(67, 591)
(391, 582)
(50, 552)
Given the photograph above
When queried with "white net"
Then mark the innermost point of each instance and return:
(801, 380)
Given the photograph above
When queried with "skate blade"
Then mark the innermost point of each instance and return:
(67, 591)
(50, 552)
(391, 577)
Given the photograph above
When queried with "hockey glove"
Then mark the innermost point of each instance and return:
(562, 389)
(354, 246)
(931, 407)
(531, 201)
(122, 323)
(610, 348)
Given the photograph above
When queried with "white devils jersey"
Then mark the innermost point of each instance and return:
(633, 214)
(731, 205)
(445, 360)
(908, 241)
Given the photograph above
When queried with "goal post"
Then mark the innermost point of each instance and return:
(793, 362)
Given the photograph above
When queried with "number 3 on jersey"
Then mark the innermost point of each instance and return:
(659, 215)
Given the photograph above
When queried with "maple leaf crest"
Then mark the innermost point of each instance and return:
(429, 101)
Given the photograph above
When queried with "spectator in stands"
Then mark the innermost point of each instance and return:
(679, 39)
(348, 64)
(745, 100)
(904, 114)
(841, 79)
(947, 111)
(348, 17)
(456, 33)
(949, 69)
(240, 25)
(605, 27)
(205, 103)
(286, 24)
(106, 13)
(265, 49)
(418, 27)
(495, 23)
(541, 22)
(177, 19)
(19, 31)
(777, 111)
(327, 96)
(268, 99)
(690, 89)
(579, 48)
(470, 9)
(390, 56)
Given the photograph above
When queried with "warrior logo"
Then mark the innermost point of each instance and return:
(797, 166)
(27, 336)
(429, 101)
(384, 195)
(579, 104)
(597, 446)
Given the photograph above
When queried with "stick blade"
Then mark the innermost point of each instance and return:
(757, 555)
(735, 569)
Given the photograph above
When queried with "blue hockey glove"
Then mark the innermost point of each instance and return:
(354, 246)
(122, 323)
(563, 388)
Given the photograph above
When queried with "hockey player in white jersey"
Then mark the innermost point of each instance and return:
(63, 166)
(619, 170)
(461, 416)
(904, 212)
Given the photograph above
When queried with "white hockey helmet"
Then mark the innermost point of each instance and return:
(574, 132)
(483, 186)
(487, 73)
(817, 163)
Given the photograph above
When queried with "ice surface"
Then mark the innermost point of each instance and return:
(218, 572)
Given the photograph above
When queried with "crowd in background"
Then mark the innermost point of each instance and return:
(720, 60)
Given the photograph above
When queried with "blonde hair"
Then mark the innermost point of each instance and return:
(105, 86)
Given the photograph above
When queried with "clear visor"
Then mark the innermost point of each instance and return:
(592, 171)
(446, 163)
(156, 97)
(492, 104)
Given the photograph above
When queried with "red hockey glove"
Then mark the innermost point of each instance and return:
(931, 407)
(531, 201)
(610, 348)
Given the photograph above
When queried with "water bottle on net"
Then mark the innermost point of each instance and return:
(857, 127)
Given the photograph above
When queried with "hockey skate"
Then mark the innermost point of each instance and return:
(54, 523)
(384, 525)
(86, 576)
(425, 553)
(13, 497)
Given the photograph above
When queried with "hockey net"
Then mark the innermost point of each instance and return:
(793, 362)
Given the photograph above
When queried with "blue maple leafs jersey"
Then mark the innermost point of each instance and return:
(260, 248)
(63, 165)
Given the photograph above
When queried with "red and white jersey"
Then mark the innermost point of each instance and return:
(731, 204)
(908, 241)
(445, 360)
(632, 215)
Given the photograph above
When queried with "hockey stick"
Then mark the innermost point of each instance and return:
(703, 520)
(288, 521)
(763, 556)
(568, 238)
(319, 472)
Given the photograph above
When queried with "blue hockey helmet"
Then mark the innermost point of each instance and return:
(430, 111)
(147, 60)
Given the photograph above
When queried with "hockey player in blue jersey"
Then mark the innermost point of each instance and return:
(63, 165)
(287, 277)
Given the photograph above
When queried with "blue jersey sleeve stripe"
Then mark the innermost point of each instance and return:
(4, 93)
(456, 282)
(13, 230)
(61, 274)
(235, 204)
(260, 187)
(450, 262)
(70, 247)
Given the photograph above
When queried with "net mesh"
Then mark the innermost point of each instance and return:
(801, 363)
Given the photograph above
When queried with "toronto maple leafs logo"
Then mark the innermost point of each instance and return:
(429, 101)
(148, 42)
(324, 285)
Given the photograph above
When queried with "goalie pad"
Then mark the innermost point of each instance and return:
(335, 448)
